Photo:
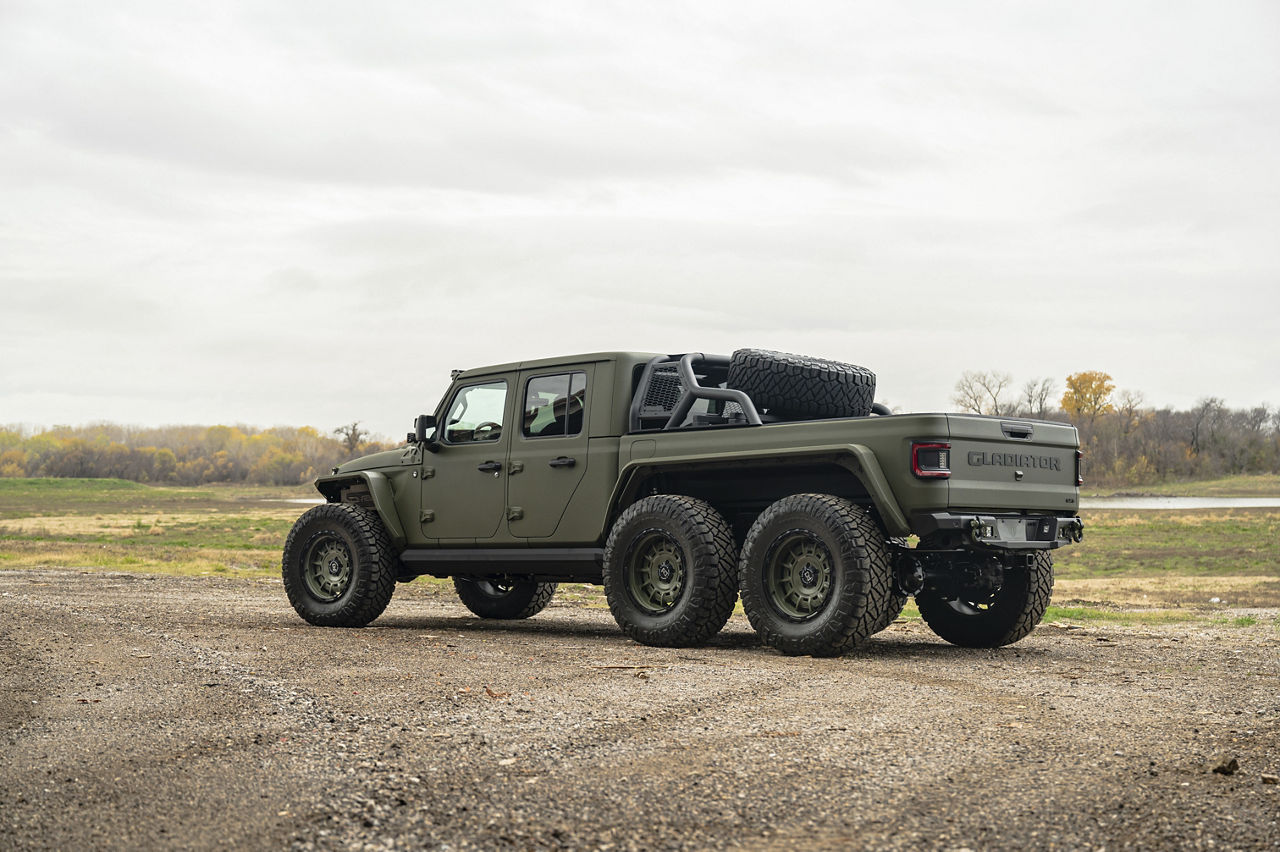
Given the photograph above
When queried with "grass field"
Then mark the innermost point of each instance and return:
(1133, 566)
(1261, 485)
(107, 524)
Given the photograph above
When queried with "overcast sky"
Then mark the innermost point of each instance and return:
(308, 213)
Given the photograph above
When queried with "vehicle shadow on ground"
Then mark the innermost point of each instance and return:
(514, 628)
(881, 647)
(535, 630)
(926, 647)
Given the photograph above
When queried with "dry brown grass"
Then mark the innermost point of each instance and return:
(1172, 590)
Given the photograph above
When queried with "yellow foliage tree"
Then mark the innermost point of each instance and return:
(1088, 394)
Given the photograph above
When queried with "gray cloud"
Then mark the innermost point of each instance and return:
(310, 213)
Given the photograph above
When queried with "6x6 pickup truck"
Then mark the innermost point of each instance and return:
(680, 482)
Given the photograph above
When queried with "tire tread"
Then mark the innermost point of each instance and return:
(1024, 608)
(375, 556)
(865, 559)
(714, 591)
(535, 597)
(802, 385)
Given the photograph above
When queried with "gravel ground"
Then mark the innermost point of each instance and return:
(144, 712)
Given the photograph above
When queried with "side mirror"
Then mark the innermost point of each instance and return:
(422, 424)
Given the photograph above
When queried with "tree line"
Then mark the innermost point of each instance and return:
(1126, 442)
(182, 455)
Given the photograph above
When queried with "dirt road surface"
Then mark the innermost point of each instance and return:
(179, 713)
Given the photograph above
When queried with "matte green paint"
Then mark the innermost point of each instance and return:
(858, 460)
(440, 498)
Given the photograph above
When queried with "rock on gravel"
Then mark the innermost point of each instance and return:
(1227, 766)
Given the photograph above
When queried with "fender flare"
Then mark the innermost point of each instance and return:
(384, 501)
(858, 459)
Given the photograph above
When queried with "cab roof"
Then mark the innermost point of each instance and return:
(626, 358)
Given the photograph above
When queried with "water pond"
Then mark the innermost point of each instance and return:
(1179, 503)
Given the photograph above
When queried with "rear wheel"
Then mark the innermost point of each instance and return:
(669, 571)
(815, 575)
(504, 597)
(339, 566)
(995, 618)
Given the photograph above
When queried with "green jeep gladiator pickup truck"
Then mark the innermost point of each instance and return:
(680, 482)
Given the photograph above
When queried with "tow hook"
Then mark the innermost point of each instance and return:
(1075, 531)
(979, 530)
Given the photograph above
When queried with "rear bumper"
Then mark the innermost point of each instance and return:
(1002, 532)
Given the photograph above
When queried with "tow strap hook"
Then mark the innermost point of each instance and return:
(980, 530)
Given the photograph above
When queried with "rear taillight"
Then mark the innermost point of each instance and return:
(931, 460)
(1079, 468)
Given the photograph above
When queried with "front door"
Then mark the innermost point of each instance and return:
(548, 449)
(464, 485)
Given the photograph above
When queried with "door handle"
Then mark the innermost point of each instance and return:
(490, 466)
(562, 461)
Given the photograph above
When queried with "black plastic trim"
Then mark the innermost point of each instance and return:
(1017, 431)
(584, 564)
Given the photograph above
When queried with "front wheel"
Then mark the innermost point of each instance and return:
(339, 566)
(996, 619)
(503, 597)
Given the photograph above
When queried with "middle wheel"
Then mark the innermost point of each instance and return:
(815, 575)
(669, 571)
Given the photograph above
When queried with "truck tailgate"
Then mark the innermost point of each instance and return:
(999, 463)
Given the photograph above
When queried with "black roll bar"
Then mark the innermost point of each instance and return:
(694, 391)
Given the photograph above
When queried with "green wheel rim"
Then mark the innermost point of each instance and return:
(656, 572)
(327, 570)
(798, 574)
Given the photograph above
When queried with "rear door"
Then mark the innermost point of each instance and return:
(1012, 464)
(549, 448)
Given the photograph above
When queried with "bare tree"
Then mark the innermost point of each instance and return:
(352, 436)
(1036, 396)
(1129, 407)
(983, 392)
(1256, 418)
(1204, 421)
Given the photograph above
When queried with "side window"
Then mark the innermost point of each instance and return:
(553, 405)
(476, 414)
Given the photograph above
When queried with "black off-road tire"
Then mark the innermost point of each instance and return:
(670, 571)
(801, 385)
(1015, 611)
(339, 566)
(893, 608)
(897, 600)
(504, 597)
(815, 575)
